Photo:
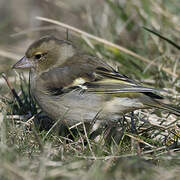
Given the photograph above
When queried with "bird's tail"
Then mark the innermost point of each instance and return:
(169, 107)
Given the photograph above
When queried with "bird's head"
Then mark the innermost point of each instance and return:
(46, 53)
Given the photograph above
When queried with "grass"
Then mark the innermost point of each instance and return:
(32, 148)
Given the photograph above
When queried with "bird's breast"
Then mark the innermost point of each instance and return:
(71, 107)
(76, 106)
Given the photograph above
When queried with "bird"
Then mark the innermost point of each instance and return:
(72, 86)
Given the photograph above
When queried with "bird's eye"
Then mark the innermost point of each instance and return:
(38, 56)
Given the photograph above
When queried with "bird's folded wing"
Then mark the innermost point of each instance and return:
(115, 86)
(112, 74)
(112, 82)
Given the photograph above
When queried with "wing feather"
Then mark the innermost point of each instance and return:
(112, 82)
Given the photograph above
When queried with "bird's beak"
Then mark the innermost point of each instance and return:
(23, 63)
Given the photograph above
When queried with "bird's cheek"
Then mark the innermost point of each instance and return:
(24, 63)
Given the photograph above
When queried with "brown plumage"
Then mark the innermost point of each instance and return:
(78, 87)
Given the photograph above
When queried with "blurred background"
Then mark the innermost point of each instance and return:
(119, 21)
(27, 154)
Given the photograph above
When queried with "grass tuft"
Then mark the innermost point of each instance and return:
(32, 146)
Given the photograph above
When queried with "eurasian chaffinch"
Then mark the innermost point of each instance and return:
(78, 87)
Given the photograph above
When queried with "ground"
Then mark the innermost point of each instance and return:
(116, 151)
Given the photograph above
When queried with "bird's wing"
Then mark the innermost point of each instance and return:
(93, 76)
(112, 82)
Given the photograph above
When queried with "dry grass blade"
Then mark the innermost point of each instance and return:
(13, 90)
(139, 140)
(10, 55)
(87, 139)
(125, 155)
(104, 42)
(30, 30)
